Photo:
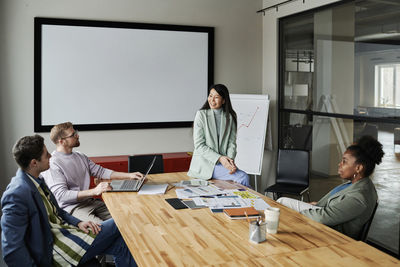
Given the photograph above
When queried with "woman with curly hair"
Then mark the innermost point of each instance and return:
(348, 206)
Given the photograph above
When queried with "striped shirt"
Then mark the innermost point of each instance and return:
(70, 243)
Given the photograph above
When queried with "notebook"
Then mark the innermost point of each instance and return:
(130, 185)
(240, 213)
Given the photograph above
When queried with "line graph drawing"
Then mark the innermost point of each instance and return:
(252, 114)
(251, 120)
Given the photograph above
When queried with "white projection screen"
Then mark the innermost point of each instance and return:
(118, 75)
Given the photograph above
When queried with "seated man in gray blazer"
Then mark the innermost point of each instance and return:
(348, 206)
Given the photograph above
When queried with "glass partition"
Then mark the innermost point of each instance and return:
(343, 59)
(339, 79)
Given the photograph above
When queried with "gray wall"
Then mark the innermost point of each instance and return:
(238, 64)
(246, 46)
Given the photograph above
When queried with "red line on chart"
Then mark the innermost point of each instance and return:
(248, 125)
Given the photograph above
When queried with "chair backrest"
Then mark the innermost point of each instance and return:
(293, 166)
(365, 229)
(140, 163)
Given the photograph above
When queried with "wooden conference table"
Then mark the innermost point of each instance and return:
(159, 235)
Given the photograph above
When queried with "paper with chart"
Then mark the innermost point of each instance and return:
(252, 115)
(191, 192)
(231, 200)
(222, 202)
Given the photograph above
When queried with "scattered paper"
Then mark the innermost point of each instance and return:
(198, 191)
(153, 189)
(245, 194)
(258, 204)
(193, 182)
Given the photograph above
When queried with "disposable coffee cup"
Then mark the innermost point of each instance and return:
(257, 232)
(272, 219)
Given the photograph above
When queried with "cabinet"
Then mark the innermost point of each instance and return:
(176, 162)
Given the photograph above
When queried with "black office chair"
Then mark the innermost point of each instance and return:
(140, 163)
(365, 229)
(91, 263)
(292, 173)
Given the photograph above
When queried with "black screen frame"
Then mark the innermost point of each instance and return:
(40, 21)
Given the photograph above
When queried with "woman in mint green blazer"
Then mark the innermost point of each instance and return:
(214, 135)
(347, 207)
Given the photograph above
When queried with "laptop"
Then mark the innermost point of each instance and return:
(130, 185)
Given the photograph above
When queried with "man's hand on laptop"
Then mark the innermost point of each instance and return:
(135, 175)
(101, 187)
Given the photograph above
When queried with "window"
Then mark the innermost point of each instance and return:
(387, 85)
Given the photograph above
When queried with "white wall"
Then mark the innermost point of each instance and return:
(270, 69)
(246, 46)
(238, 64)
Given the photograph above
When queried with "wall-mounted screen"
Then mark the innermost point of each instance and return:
(117, 75)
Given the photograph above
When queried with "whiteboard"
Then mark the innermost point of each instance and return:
(252, 117)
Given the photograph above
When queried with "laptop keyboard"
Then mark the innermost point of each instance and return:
(129, 184)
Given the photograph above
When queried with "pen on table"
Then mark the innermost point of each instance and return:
(170, 186)
(247, 217)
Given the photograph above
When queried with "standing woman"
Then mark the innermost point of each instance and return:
(214, 134)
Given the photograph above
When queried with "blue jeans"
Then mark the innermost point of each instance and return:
(239, 176)
(109, 241)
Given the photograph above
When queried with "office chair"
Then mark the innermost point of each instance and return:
(292, 173)
(140, 163)
(365, 229)
(91, 263)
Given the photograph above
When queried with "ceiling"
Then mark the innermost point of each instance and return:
(375, 21)
(378, 21)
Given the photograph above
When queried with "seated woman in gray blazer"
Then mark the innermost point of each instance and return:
(348, 206)
(214, 134)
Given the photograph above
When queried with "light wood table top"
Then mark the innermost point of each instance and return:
(159, 235)
(354, 253)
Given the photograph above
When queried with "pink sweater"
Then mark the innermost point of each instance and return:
(70, 173)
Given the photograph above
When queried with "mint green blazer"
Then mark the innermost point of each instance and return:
(347, 210)
(207, 149)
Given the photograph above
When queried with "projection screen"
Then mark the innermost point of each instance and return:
(117, 75)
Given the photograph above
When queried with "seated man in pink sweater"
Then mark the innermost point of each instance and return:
(69, 177)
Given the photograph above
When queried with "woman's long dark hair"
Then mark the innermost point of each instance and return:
(222, 90)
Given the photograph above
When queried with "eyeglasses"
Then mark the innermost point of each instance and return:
(74, 134)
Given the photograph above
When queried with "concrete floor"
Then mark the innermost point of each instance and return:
(385, 226)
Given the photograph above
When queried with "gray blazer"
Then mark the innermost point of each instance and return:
(207, 149)
(347, 210)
